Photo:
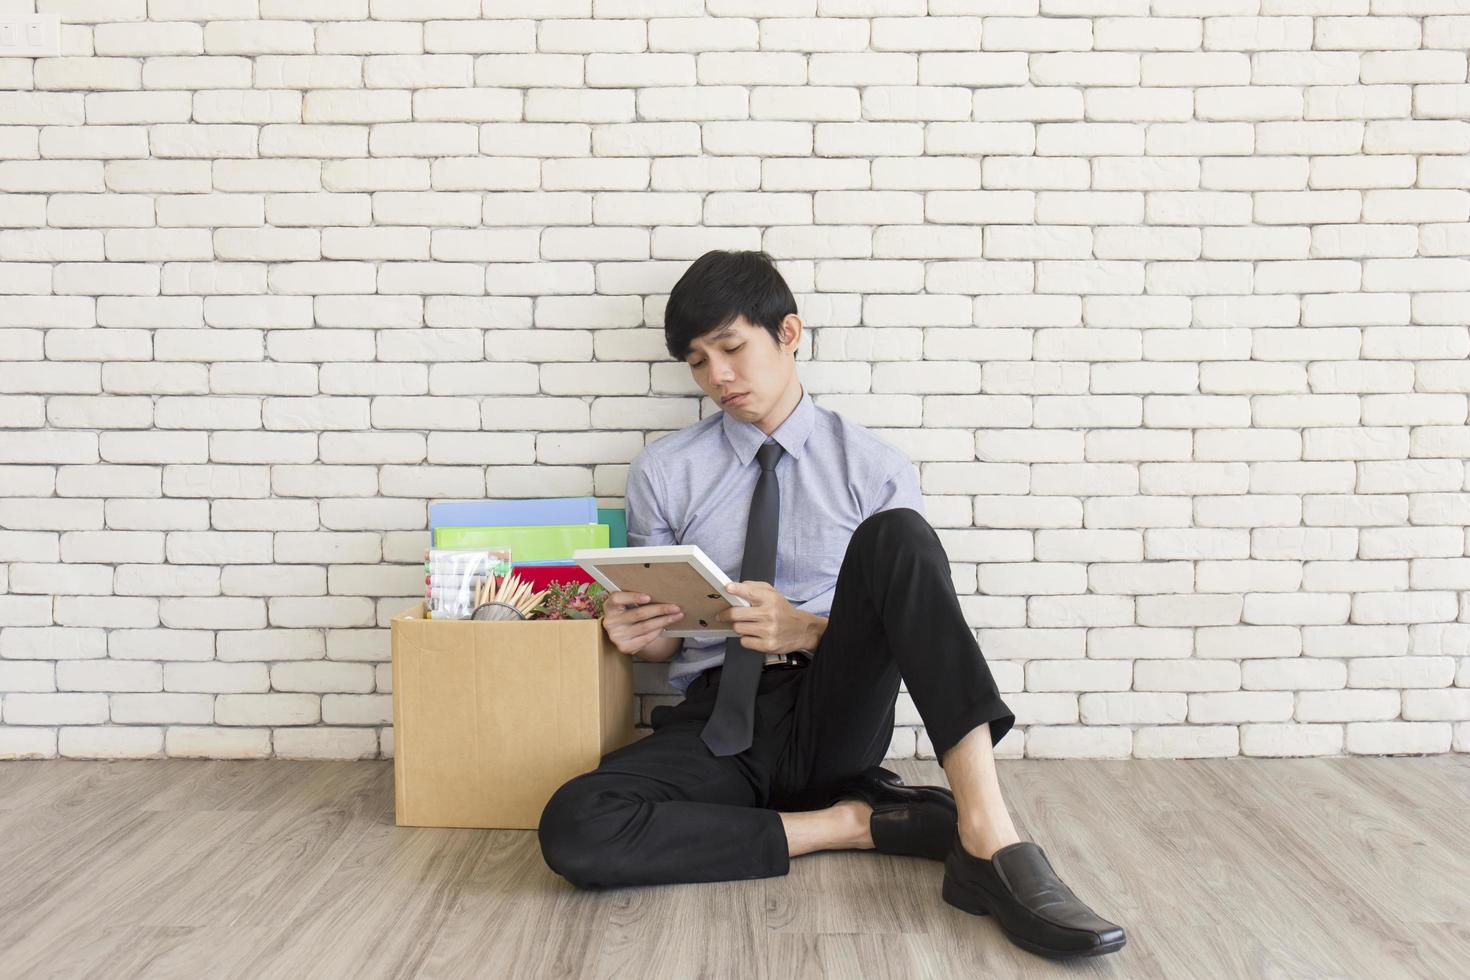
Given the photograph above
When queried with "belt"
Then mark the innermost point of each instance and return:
(787, 661)
(794, 660)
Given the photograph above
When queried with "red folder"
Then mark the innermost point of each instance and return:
(540, 576)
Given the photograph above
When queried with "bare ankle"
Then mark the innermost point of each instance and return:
(983, 842)
(842, 826)
(857, 815)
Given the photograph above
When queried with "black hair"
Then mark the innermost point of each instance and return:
(717, 288)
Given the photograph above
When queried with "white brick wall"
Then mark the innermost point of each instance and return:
(1169, 302)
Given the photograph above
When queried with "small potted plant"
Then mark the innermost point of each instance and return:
(570, 600)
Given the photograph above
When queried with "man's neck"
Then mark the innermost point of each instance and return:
(769, 427)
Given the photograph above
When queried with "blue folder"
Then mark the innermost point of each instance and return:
(513, 513)
(536, 511)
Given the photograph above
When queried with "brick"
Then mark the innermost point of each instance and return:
(1397, 737)
(358, 709)
(217, 743)
(1233, 707)
(321, 676)
(27, 743)
(26, 708)
(1186, 741)
(111, 742)
(214, 677)
(325, 743)
(108, 675)
(1291, 740)
(1078, 742)
(267, 709)
(1131, 708)
(52, 643)
(1186, 675)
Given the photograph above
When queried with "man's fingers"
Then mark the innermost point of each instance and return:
(753, 589)
(648, 613)
(653, 627)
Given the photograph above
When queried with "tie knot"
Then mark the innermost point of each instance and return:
(768, 454)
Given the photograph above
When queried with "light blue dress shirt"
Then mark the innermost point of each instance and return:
(694, 487)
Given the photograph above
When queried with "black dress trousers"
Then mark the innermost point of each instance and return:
(664, 809)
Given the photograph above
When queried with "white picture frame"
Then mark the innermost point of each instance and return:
(675, 573)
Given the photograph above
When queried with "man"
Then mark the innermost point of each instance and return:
(774, 750)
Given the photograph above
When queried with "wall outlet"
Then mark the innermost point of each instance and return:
(30, 36)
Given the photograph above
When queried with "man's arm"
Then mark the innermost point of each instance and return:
(647, 527)
(899, 487)
(816, 626)
(660, 650)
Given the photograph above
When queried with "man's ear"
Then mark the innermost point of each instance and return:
(791, 331)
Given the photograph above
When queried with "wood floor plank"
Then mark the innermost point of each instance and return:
(849, 956)
(26, 783)
(284, 857)
(1116, 858)
(509, 909)
(1413, 779)
(174, 952)
(98, 887)
(387, 900)
(1439, 949)
(854, 891)
(666, 932)
(1256, 873)
(1327, 867)
(1404, 864)
(250, 785)
(67, 799)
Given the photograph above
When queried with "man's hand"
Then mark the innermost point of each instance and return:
(770, 623)
(634, 627)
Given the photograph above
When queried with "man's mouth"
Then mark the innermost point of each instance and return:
(732, 399)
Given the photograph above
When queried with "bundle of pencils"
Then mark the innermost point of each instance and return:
(505, 597)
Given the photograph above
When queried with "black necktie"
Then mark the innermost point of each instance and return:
(729, 728)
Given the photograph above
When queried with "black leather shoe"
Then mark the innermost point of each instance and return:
(918, 821)
(1032, 906)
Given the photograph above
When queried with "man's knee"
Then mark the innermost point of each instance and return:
(572, 841)
(896, 524)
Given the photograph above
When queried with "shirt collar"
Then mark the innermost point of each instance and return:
(746, 437)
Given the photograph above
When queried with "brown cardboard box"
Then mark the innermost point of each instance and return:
(489, 718)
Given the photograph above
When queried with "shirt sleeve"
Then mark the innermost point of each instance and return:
(821, 603)
(899, 487)
(643, 509)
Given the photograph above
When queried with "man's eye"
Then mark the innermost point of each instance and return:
(728, 350)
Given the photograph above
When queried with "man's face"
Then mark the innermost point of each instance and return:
(742, 359)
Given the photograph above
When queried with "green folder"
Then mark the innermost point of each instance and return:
(616, 519)
(543, 542)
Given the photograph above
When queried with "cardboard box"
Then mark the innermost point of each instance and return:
(490, 718)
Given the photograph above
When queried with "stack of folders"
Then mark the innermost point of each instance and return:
(540, 533)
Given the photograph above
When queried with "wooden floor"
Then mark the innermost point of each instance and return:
(1342, 867)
